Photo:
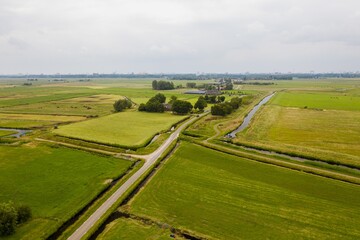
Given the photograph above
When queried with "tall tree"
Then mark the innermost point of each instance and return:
(200, 104)
(181, 107)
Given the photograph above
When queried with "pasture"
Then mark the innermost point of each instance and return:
(215, 195)
(126, 129)
(54, 182)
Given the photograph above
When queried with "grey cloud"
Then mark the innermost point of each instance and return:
(179, 35)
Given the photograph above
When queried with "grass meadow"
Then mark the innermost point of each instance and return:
(128, 129)
(54, 182)
(219, 196)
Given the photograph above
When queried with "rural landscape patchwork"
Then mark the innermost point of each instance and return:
(69, 146)
(178, 119)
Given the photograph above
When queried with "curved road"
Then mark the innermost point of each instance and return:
(150, 160)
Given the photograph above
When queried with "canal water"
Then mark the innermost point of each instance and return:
(248, 118)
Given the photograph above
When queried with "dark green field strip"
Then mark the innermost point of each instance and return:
(39, 99)
(220, 196)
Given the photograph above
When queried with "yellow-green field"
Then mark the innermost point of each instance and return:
(130, 229)
(4, 133)
(8, 120)
(128, 129)
(327, 129)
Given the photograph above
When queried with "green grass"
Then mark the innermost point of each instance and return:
(101, 104)
(129, 129)
(30, 120)
(317, 100)
(330, 134)
(54, 182)
(130, 229)
(216, 195)
(4, 133)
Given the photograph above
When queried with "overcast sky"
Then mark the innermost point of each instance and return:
(235, 36)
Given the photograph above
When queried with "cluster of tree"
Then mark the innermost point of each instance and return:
(122, 104)
(225, 108)
(201, 103)
(191, 85)
(162, 85)
(214, 99)
(11, 216)
(155, 104)
(181, 107)
(27, 84)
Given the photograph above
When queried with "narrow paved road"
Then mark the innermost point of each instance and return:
(150, 160)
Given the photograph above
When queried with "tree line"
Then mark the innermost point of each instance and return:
(225, 108)
(162, 85)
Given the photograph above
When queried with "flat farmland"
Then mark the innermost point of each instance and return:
(100, 104)
(8, 120)
(220, 196)
(318, 100)
(29, 95)
(130, 229)
(4, 133)
(328, 134)
(320, 125)
(54, 182)
(127, 129)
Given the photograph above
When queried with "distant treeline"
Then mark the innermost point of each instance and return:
(192, 76)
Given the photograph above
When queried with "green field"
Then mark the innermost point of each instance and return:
(130, 229)
(101, 104)
(317, 100)
(54, 182)
(128, 129)
(323, 126)
(220, 196)
(4, 133)
(30, 120)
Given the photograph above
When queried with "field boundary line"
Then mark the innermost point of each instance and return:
(289, 165)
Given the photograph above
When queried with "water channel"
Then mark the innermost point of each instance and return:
(19, 132)
(248, 118)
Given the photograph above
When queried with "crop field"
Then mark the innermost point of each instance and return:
(216, 195)
(129, 129)
(130, 229)
(54, 182)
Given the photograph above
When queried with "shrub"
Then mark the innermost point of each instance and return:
(8, 217)
(23, 213)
